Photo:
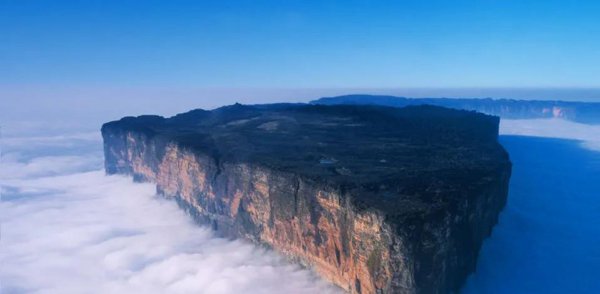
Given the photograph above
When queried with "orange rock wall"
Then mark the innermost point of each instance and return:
(312, 225)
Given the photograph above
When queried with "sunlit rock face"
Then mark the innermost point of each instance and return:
(373, 199)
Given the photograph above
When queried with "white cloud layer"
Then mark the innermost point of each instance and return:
(589, 135)
(68, 228)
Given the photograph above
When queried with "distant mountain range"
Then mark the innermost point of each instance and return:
(582, 112)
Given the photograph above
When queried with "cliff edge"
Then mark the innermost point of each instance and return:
(374, 199)
(580, 112)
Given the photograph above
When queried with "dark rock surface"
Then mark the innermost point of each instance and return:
(582, 112)
(374, 199)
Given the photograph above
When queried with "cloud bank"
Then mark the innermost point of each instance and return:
(68, 228)
(589, 135)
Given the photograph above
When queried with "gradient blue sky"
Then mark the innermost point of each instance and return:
(300, 43)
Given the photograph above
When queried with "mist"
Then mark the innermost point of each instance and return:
(548, 236)
(587, 135)
(60, 109)
(69, 228)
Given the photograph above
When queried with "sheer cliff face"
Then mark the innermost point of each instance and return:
(326, 221)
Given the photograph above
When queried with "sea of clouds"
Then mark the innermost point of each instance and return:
(588, 135)
(66, 227)
(69, 228)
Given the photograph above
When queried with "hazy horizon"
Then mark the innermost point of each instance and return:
(96, 105)
(68, 67)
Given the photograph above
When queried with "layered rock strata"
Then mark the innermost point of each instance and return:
(373, 199)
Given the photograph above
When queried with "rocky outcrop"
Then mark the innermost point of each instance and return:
(582, 112)
(373, 199)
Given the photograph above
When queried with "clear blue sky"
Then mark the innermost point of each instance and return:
(301, 43)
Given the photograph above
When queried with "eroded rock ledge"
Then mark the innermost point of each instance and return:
(373, 199)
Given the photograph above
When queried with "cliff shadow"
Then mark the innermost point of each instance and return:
(548, 235)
